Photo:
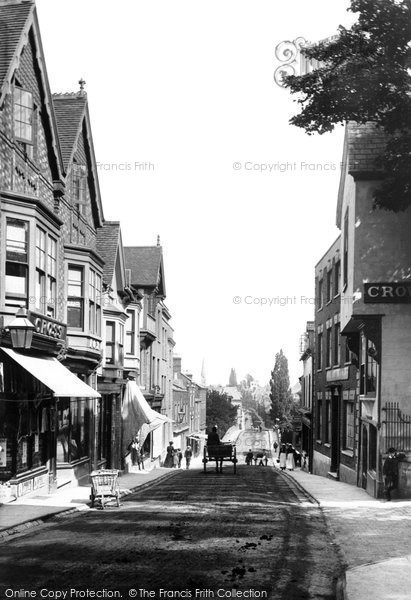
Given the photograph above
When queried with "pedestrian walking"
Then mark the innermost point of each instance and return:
(249, 458)
(179, 457)
(282, 457)
(175, 459)
(297, 458)
(290, 460)
(169, 461)
(275, 446)
(136, 453)
(390, 471)
(188, 455)
(263, 461)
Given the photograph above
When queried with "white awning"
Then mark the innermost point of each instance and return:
(53, 375)
(138, 416)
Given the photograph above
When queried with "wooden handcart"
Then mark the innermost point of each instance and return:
(220, 453)
(104, 486)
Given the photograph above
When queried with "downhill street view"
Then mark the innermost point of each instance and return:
(205, 299)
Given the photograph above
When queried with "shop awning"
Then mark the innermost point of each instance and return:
(53, 375)
(138, 416)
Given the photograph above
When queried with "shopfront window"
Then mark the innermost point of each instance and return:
(73, 437)
(16, 262)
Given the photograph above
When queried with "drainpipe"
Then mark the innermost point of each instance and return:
(379, 478)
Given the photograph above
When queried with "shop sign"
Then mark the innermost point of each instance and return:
(48, 326)
(388, 293)
(337, 374)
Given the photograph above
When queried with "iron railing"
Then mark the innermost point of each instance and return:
(396, 428)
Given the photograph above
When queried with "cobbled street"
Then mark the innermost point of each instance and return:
(194, 531)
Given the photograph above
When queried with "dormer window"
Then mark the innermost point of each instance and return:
(23, 115)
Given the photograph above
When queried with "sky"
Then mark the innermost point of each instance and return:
(193, 143)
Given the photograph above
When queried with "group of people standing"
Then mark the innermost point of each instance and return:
(174, 456)
(251, 456)
(288, 457)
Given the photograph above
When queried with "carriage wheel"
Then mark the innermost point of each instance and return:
(92, 498)
(235, 461)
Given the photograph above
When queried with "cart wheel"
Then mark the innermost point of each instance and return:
(93, 499)
(118, 498)
(102, 502)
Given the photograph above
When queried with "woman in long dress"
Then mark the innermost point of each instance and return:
(169, 461)
(283, 457)
(290, 461)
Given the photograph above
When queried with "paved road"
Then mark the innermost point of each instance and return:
(191, 532)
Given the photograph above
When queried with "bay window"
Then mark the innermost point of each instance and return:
(94, 302)
(46, 273)
(110, 342)
(131, 332)
(16, 262)
(75, 298)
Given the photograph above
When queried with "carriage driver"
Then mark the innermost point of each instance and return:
(213, 439)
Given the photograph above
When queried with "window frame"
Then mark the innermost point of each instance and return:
(329, 285)
(23, 108)
(337, 278)
(73, 298)
(349, 429)
(337, 345)
(130, 332)
(110, 343)
(319, 351)
(13, 298)
(329, 348)
(346, 241)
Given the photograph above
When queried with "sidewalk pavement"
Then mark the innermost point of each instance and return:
(372, 534)
(25, 513)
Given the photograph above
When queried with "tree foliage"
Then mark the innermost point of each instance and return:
(364, 77)
(282, 406)
(219, 412)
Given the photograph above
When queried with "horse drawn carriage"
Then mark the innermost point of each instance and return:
(220, 453)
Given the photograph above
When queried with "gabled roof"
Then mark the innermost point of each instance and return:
(107, 245)
(14, 26)
(72, 116)
(146, 266)
(18, 22)
(69, 110)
